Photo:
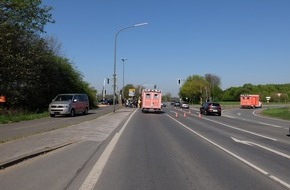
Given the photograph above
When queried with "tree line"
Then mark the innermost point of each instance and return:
(196, 89)
(32, 69)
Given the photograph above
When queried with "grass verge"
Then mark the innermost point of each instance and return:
(20, 116)
(281, 113)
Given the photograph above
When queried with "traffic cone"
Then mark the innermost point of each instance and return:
(184, 114)
(176, 114)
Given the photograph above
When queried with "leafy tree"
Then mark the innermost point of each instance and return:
(32, 71)
(193, 89)
(24, 15)
(272, 90)
(212, 89)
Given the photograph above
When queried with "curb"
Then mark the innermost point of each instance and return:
(21, 158)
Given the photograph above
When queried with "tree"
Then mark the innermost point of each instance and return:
(213, 86)
(24, 15)
(31, 70)
(193, 89)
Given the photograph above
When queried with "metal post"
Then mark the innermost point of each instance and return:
(123, 76)
(115, 53)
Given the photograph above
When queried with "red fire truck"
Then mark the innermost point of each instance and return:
(250, 101)
(151, 100)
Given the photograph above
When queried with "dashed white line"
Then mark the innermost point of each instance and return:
(234, 155)
(243, 130)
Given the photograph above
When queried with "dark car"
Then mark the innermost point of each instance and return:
(212, 108)
(177, 104)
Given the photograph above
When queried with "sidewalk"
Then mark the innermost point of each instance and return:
(94, 130)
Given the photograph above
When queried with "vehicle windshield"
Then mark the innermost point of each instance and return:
(64, 98)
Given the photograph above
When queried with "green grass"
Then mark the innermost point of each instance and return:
(10, 117)
(281, 113)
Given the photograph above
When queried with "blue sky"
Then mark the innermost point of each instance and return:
(241, 41)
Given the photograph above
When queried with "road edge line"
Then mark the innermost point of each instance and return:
(94, 175)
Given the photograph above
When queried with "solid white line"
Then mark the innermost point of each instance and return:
(271, 150)
(276, 126)
(232, 127)
(97, 170)
(261, 146)
(234, 155)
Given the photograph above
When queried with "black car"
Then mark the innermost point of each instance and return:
(176, 104)
(212, 108)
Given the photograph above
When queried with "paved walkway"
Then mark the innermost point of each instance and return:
(94, 130)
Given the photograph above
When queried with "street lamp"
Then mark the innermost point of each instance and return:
(115, 53)
(123, 76)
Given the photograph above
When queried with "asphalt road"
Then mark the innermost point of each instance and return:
(237, 150)
(160, 151)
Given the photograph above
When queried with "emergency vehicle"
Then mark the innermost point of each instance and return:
(250, 101)
(151, 100)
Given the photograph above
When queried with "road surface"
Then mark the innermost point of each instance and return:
(176, 149)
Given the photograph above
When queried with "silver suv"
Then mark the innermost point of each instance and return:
(69, 104)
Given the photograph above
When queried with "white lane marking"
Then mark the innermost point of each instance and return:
(276, 126)
(243, 130)
(235, 155)
(97, 170)
(261, 146)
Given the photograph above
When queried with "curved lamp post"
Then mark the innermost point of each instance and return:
(115, 53)
(123, 76)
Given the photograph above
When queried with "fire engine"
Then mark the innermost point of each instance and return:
(250, 101)
(151, 100)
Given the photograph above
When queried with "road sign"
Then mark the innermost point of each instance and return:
(132, 92)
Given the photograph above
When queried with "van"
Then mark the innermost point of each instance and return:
(151, 100)
(69, 104)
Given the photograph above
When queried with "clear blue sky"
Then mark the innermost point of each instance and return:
(241, 41)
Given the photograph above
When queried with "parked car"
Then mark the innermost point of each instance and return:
(163, 104)
(111, 101)
(184, 105)
(69, 104)
(212, 108)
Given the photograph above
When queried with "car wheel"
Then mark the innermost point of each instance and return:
(219, 114)
(72, 113)
(86, 111)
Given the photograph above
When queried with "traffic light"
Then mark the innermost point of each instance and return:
(108, 81)
(155, 86)
(178, 81)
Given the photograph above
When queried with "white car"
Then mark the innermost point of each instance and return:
(184, 105)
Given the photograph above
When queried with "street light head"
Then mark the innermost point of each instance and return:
(141, 24)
